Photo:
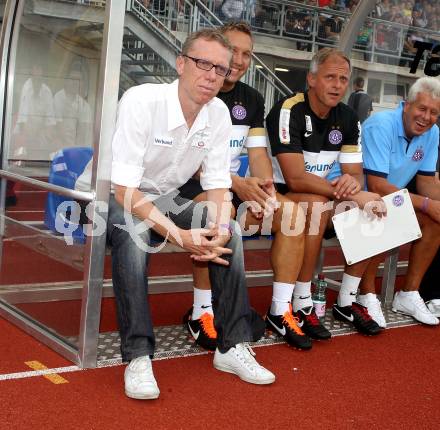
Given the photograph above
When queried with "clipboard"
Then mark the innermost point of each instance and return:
(361, 237)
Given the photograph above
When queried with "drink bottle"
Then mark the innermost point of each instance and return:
(319, 296)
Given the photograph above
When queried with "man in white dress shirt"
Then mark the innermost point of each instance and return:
(164, 134)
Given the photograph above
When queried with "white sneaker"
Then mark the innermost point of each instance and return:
(240, 361)
(372, 303)
(139, 379)
(434, 306)
(412, 304)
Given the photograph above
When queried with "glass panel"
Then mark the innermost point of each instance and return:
(52, 86)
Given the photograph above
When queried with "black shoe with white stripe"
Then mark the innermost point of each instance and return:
(357, 315)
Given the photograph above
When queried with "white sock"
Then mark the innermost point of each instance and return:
(202, 303)
(281, 297)
(302, 295)
(407, 293)
(348, 291)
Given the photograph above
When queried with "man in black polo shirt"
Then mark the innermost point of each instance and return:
(309, 134)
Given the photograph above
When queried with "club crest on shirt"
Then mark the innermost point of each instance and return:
(335, 137)
(418, 154)
(239, 112)
(398, 200)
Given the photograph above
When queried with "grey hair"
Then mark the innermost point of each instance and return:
(428, 85)
(322, 55)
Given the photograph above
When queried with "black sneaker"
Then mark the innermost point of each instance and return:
(287, 326)
(310, 324)
(357, 315)
(202, 330)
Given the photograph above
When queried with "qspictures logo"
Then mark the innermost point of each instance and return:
(432, 66)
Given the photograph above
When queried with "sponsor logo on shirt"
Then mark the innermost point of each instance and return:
(198, 144)
(418, 155)
(321, 167)
(239, 112)
(284, 124)
(308, 124)
(163, 142)
(236, 143)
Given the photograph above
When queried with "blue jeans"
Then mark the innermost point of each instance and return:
(233, 315)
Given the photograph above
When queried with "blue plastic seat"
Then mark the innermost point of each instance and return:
(244, 164)
(66, 167)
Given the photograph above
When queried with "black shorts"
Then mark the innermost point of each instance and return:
(192, 189)
(282, 188)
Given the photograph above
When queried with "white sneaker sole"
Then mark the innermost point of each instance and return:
(397, 311)
(244, 378)
(145, 396)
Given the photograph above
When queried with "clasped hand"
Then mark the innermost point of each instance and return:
(260, 194)
(206, 244)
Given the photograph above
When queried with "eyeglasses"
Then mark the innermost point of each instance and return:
(207, 65)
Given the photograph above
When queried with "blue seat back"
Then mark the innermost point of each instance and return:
(66, 167)
(244, 164)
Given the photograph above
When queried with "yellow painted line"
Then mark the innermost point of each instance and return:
(54, 378)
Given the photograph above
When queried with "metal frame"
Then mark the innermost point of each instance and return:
(104, 125)
(105, 114)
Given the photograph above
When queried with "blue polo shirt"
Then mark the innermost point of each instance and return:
(389, 154)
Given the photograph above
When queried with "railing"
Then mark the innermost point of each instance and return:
(259, 74)
(378, 40)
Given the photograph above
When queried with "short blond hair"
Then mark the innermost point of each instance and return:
(209, 34)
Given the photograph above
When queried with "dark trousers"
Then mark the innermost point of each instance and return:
(130, 241)
(430, 285)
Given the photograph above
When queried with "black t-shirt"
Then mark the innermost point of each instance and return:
(246, 107)
(293, 127)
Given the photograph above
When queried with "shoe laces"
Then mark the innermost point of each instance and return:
(292, 321)
(207, 324)
(246, 356)
(361, 311)
(312, 318)
(142, 369)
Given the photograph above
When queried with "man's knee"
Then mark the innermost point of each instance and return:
(290, 219)
(429, 227)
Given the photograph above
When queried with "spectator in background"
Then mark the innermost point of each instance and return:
(298, 24)
(360, 101)
(419, 17)
(409, 49)
(232, 10)
(364, 38)
(333, 27)
(406, 9)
